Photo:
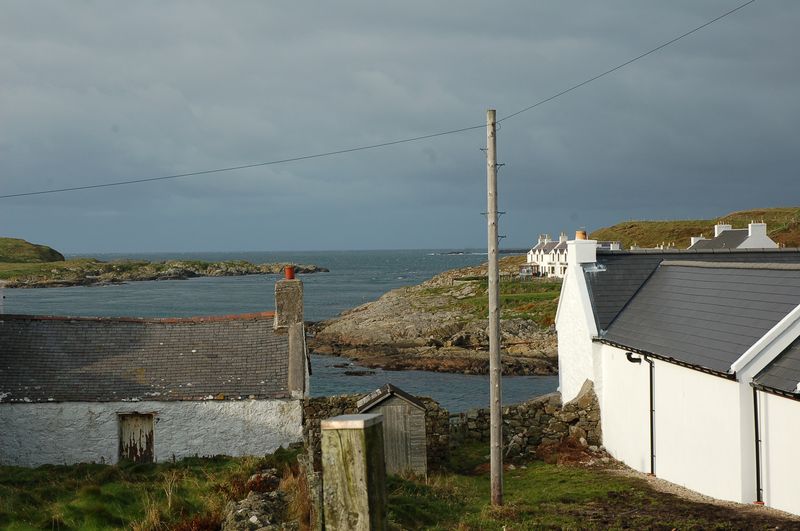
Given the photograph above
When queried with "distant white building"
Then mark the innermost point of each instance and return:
(548, 258)
(726, 237)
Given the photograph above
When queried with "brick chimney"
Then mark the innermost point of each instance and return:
(289, 320)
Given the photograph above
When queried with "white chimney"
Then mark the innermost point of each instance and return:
(581, 251)
(696, 239)
(756, 229)
(719, 228)
(562, 237)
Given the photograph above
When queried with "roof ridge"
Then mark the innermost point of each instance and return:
(143, 320)
(732, 265)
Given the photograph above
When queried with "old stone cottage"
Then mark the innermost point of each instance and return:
(101, 389)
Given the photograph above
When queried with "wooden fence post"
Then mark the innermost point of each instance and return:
(353, 473)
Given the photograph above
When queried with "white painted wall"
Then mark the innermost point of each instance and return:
(76, 432)
(698, 428)
(780, 461)
(576, 329)
(625, 408)
(578, 357)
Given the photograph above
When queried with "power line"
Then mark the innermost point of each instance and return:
(383, 144)
(245, 166)
(626, 63)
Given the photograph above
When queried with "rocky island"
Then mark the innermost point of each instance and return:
(441, 325)
(88, 271)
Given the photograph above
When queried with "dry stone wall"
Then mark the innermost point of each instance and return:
(542, 420)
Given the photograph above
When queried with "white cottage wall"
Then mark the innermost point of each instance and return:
(698, 430)
(576, 329)
(77, 432)
(625, 407)
(780, 464)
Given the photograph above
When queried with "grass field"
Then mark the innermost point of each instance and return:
(550, 496)
(535, 299)
(783, 226)
(188, 494)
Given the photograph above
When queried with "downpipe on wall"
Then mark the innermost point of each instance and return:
(759, 487)
(651, 363)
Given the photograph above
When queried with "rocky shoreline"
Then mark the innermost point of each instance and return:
(439, 326)
(89, 272)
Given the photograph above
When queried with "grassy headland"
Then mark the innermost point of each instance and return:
(21, 251)
(783, 226)
(441, 324)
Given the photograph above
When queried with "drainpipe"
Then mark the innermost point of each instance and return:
(629, 356)
(759, 488)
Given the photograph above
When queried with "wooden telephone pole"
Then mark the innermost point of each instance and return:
(495, 396)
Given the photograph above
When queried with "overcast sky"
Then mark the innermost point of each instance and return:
(95, 92)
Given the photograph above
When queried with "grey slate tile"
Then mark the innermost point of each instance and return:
(706, 317)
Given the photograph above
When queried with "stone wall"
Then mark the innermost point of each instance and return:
(437, 425)
(537, 421)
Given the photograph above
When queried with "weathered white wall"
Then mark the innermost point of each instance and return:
(625, 408)
(576, 329)
(698, 428)
(780, 460)
(66, 433)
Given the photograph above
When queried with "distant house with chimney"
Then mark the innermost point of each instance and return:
(548, 258)
(726, 237)
(78, 389)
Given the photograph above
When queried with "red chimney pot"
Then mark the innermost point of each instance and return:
(288, 272)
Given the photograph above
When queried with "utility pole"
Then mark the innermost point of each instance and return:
(495, 366)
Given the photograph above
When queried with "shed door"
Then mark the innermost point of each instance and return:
(136, 437)
(397, 439)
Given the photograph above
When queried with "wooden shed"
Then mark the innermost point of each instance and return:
(404, 434)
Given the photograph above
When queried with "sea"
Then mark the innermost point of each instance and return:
(355, 277)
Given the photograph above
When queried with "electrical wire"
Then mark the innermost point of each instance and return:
(383, 144)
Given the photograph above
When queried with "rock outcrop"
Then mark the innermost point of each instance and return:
(86, 272)
(440, 325)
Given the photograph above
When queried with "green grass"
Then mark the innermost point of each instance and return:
(94, 497)
(548, 496)
(783, 226)
(535, 300)
(20, 251)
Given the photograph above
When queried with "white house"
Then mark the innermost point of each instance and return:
(689, 351)
(101, 389)
(548, 258)
(726, 237)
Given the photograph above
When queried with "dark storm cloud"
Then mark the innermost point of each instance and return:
(98, 91)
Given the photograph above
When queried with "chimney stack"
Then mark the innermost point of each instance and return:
(756, 229)
(719, 228)
(289, 320)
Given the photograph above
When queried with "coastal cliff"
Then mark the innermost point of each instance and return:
(441, 325)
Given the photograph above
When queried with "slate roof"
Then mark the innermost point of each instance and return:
(109, 359)
(620, 274)
(379, 395)
(728, 239)
(706, 314)
(783, 373)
